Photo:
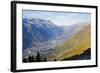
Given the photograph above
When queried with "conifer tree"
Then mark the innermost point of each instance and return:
(24, 60)
(38, 58)
(31, 59)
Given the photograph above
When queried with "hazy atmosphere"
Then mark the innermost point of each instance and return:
(56, 36)
(59, 18)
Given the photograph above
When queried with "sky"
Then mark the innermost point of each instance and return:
(59, 18)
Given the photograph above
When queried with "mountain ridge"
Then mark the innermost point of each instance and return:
(40, 35)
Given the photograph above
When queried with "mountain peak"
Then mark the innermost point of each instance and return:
(39, 23)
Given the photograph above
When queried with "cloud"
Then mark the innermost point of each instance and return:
(59, 18)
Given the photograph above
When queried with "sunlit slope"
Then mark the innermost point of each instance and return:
(76, 45)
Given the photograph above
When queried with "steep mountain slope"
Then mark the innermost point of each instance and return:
(38, 30)
(52, 41)
(76, 45)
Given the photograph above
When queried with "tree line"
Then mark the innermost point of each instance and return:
(36, 58)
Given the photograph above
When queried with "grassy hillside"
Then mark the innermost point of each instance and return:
(76, 45)
(85, 55)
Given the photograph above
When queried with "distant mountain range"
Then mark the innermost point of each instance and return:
(39, 30)
(49, 39)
